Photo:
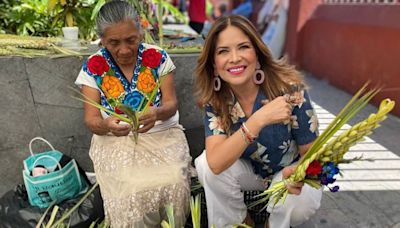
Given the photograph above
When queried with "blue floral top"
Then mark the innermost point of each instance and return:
(276, 145)
(101, 72)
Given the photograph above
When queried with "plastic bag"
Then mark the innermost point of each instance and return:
(15, 210)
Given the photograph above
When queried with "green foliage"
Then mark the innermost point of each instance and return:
(34, 18)
(27, 17)
(5, 6)
(86, 25)
(70, 13)
(169, 209)
(195, 210)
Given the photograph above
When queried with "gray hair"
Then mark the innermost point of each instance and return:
(114, 12)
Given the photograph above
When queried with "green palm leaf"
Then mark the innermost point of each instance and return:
(327, 148)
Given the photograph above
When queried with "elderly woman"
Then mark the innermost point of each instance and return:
(137, 180)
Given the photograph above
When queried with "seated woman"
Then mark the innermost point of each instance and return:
(137, 180)
(258, 122)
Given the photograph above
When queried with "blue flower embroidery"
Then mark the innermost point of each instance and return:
(134, 99)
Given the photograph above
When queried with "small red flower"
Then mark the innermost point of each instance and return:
(118, 111)
(97, 65)
(151, 58)
(314, 168)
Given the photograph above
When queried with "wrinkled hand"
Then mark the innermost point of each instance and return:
(147, 120)
(112, 124)
(275, 111)
(292, 187)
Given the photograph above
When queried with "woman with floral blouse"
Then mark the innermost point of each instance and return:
(137, 180)
(258, 122)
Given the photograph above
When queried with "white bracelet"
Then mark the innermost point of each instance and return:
(249, 132)
(244, 136)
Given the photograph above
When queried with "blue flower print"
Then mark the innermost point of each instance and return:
(134, 99)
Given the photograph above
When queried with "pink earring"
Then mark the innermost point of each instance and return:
(258, 76)
(217, 83)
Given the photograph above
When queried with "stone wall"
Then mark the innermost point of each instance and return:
(36, 101)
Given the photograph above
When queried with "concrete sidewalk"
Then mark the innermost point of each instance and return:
(370, 191)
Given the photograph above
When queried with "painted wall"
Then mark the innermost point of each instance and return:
(348, 45)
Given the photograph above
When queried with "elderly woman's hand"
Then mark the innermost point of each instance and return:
(147, 120)
(295, 187)
(113, 125)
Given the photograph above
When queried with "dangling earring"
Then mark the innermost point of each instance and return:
(258, 76)
(217, 83)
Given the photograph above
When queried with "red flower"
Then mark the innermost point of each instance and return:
(314, 168)
(97, 65)
(118, 111)
(151, 58)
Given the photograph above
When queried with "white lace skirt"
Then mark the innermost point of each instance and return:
(138, 180)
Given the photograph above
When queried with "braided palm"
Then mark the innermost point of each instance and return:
(332, 151)
(335, 149)
(29, 46)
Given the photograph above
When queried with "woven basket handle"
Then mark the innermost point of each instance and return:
(38, 138)
(49, 157)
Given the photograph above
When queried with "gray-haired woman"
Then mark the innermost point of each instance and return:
(136, 180)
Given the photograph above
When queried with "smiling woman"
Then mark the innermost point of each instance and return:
(137, 178)
(254, 131)
(235, 59)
